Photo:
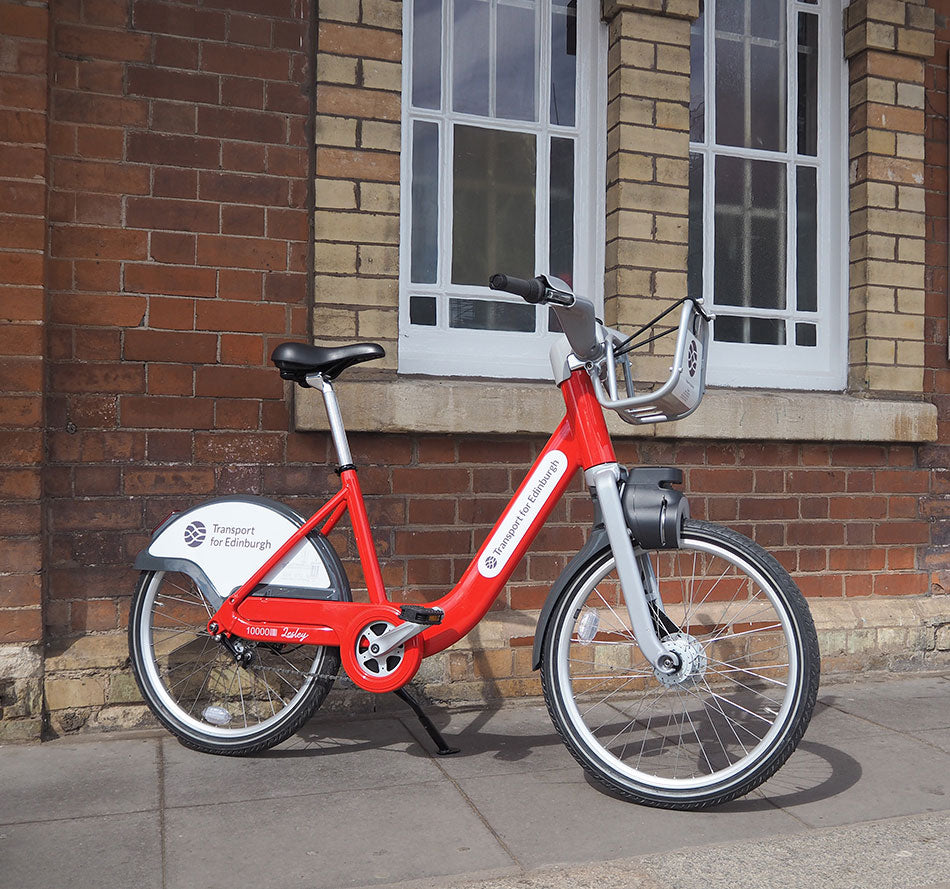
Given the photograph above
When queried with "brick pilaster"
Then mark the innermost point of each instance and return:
(23, 128)
(647, 155)
(356, 222)
(887, 43)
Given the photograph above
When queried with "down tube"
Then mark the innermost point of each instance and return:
(508, 541)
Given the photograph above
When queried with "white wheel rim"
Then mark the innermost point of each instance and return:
(719, 779)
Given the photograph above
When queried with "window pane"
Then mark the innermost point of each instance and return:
(807, 227)
(494, 204)
(483, 314)
(563, 63)
(807, 83)
(750, 74)
(470, 64)
(750, 233)
(763, 331)
(426, 53)
(806, 335)
(425, 202)
(422, 310)
(697, 80)
(561, 253)
(516, 72)
(694, 257)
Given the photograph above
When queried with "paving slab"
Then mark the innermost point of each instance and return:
(100, 852)
(330, 840)
(908, 705)
(557, 816)
(907, 853)
(77, 779)
(327, 756)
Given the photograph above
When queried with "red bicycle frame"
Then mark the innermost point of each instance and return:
(580, 441)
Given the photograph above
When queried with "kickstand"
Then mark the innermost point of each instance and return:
(405, 695)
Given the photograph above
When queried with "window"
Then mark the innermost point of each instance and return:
(767, 195)
(502, 171)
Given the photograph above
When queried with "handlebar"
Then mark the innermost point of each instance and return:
(575, 314)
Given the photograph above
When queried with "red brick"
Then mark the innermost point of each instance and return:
(174, 117)
(21, 375)
(237, 349)
(233, 188)
(87, 242)
(733, 481)
(96, 378)
(902, 532)
(897, 481)
(22, 197)
(170, 280)
(174, 52)
(25, 21)
(437, 543)
(20, 484)
(173, 247)
(235, 413)
(22, 339)
(23, 126)
(92, 108)
(243, 317)
(171, 379)
(21, 625)
(171, 313)
(173, 151)
(24, 163)
(244, 157)
(901, 584)
(236, 220)
(21, 268)
(97, 43)
(99, 309)
(257, 447)
(266, 64)
(164, 18)
(20, 411)
(431, 481)
(21, 590)
(169, 447)
(166, 413)
(238, 382)
(175, 183)
(156, 345)
(177, 215)
(241, 284)
(20, 446)
(168, 481)
(98, 209)
(243, 92)
(294, 225)
(90, 481)
(100, 142)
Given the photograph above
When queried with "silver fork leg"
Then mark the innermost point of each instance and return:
(604, 479)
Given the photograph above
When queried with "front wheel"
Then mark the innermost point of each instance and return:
(737, 706)
(233, 698)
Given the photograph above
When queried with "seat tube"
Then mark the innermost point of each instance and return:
(336, 419)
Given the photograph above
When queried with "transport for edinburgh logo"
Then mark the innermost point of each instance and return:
(195, 534)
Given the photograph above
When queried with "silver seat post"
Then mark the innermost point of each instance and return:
(335, 418)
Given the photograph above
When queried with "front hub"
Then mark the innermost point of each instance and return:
(692, 661)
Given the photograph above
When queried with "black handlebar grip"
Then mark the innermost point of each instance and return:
(530, 291)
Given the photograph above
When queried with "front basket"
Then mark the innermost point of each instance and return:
(680, 395)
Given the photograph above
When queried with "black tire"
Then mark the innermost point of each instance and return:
(196, 688)
(746, 688)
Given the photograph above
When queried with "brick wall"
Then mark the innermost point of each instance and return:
(23, 75)
(180, 242)
(180, 183)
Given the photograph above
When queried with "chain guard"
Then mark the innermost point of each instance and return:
(378, 674)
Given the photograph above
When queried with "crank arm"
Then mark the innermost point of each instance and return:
(396, 636)
(603, 479)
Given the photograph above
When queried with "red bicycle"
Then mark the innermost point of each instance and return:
(678, 659)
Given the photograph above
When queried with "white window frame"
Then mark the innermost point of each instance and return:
(823, 366)
(445, 351)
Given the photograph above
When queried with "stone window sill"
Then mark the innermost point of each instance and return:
(426, 405)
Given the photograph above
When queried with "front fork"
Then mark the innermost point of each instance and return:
(604, 479)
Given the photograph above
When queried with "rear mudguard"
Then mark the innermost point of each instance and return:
(221, 543)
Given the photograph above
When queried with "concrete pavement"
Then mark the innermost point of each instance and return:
(360, 802)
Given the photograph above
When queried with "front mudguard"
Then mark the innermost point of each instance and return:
(220, 543)
(597, 542)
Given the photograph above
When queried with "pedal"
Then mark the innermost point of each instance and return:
(419, 614)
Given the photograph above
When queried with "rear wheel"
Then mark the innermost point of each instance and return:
(737, 706)
(234, 697)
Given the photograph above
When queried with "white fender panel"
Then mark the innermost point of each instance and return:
(230, 539)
